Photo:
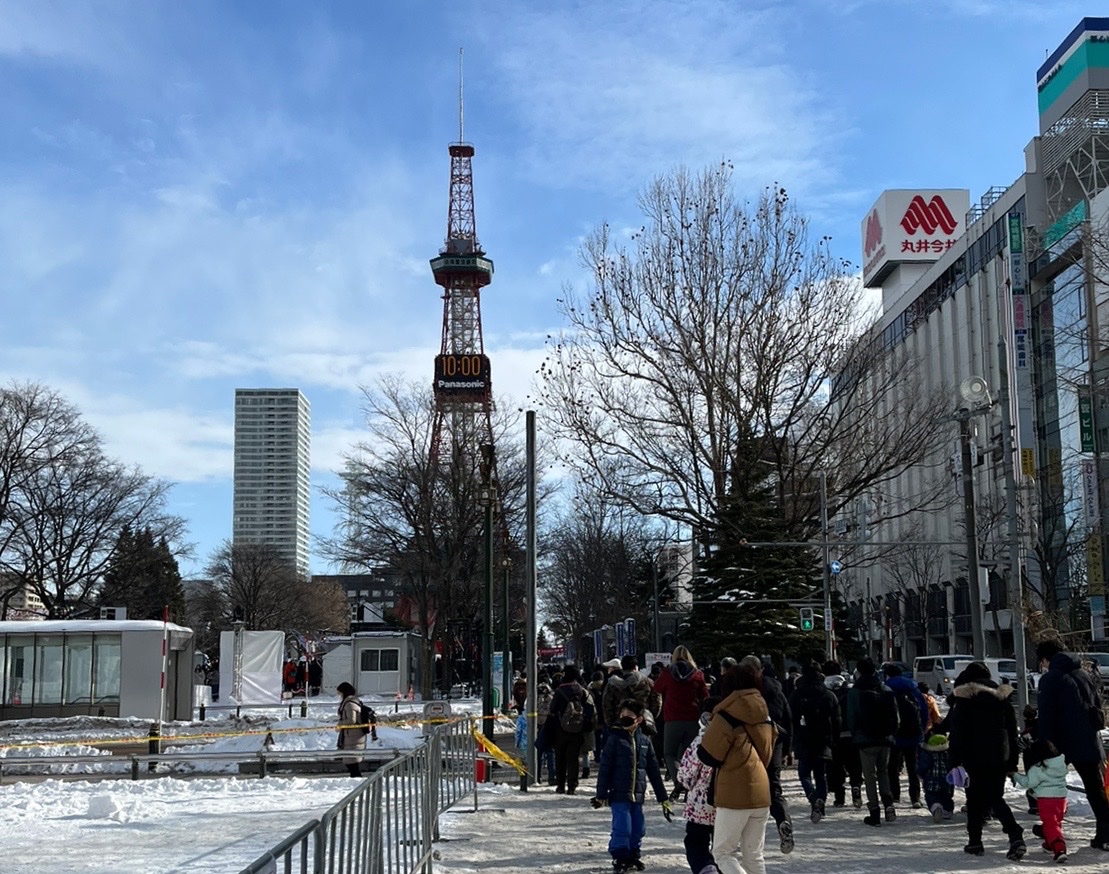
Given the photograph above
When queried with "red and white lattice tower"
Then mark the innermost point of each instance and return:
(462, 387)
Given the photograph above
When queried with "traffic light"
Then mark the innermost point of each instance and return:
(807, 623)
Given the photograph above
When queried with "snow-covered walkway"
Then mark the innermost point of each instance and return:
(557, 834)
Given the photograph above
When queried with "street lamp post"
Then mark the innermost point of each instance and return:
(978, 636)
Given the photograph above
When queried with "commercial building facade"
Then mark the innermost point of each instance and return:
(272, 482)
(1010, 290)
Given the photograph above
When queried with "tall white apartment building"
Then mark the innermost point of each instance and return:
(272, 470)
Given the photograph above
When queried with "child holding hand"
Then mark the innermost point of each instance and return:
(1047, 781)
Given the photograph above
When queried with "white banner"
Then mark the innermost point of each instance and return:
(1090, 502)
(262, 653)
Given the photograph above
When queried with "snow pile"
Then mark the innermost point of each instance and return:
(107, 806)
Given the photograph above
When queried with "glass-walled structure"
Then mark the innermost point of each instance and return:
(94, 668)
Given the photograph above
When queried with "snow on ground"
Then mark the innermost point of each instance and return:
(158, 825)
(557, 834)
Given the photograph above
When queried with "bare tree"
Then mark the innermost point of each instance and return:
(596, 567)
(256, 582)
(722, 325)
(427, 523)
(63, 501)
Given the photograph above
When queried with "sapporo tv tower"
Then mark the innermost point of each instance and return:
(462, 387)
(463, 390)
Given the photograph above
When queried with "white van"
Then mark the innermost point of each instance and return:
(1002, 671)
(938, 671)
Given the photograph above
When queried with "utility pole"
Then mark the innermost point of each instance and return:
(829, 625)
(488, 499)
(654, 610)
(1016, 582)
(978, 645)
(532, 631)
(506, 659)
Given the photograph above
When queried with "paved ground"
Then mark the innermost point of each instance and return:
(557, 834)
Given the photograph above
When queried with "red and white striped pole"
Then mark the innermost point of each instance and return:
(165, 664)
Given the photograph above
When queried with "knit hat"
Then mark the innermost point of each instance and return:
(937, 740)
(975, 672)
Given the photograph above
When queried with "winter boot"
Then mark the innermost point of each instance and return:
(817, 811)
(975, 848)
(874, 817)
(840, 800)
(621, 866)
(1060, 855)
(916, 804)
(937, 812)
(857, 797)
(891, 813)
(1017, 849)
(785, 832)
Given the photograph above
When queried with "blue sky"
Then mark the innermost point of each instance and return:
(201, 196)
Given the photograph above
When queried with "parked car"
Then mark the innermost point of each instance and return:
(1002, 671)
(938, 671)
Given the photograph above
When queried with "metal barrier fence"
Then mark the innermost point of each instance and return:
(389, 823)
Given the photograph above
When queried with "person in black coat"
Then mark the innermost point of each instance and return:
(815, 732)
(567, 744)
(983, 740)
(778, 706)
(1069, 715)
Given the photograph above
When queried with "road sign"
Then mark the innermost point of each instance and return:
(629, 636)
(621, 640)
(598, 645)
(835, 566)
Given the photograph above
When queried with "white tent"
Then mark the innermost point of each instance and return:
(261, 660)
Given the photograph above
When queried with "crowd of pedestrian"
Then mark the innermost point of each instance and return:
(723, 741)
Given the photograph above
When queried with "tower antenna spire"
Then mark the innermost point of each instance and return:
(460, 137)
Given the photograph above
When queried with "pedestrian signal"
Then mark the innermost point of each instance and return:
(807, 623)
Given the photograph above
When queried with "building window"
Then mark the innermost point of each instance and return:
(106, 669)
(378, 660)
(78, 669)
(48, 668)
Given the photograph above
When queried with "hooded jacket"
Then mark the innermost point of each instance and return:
(837, 683)
(904, 687)
(871, 713)
(983, 728)
(682, 688)
(628, 761)
(739, 742)
(816, 723)
(1045, 780)
(629, 685)
(1065, 695)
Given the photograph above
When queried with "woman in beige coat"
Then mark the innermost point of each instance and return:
(739, 743)
(350, 713)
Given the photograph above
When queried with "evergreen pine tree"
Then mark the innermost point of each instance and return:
(735, 571)
(143, 576)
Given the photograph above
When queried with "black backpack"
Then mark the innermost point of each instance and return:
(366, 717)
(876, 717)
(908, 715)
(578, 714)
(817, 723)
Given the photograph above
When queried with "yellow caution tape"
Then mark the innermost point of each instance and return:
(496, 752)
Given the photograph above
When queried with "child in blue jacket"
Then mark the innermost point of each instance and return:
(627, 762)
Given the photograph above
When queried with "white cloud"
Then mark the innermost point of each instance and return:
(611, 93)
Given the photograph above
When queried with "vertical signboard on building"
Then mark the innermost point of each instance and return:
(1090, 503)
(1020, 354)
(1086, 421)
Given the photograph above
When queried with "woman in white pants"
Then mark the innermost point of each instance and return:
(739, 742)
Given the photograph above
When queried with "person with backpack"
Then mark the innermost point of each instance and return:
(777, 706)
(571, 716)
(1069, 715)
(912, 723)
(815, 731)
(872, 720)
(844, 769)
(352, 737)
(983, 740)
(699, 812)
(630, 683)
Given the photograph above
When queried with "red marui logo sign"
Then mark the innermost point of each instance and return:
(928, 217)
(872, 239)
